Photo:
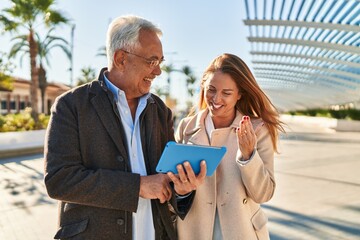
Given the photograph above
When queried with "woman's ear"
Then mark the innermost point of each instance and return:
(239, 97)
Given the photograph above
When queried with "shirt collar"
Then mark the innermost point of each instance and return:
(117, 91)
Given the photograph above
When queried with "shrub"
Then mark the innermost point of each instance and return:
(43, 120)
(22, 122)
(18, 122)
(350, 114)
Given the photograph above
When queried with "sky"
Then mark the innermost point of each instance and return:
(194, 32)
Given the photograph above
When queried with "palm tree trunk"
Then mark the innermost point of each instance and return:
(42, 86)
(34, 77)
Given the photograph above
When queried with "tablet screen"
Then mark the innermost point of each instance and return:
(176, 153)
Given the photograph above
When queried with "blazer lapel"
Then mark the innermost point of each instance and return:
(108, 118)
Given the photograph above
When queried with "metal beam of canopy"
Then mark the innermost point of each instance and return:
(306, 53)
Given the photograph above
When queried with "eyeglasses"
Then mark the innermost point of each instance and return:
(153, 63)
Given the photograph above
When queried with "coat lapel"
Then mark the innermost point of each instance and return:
(111, 124)
(197, 134)
(146, 131)
(107, 114)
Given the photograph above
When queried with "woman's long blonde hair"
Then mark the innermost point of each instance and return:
(253, 101)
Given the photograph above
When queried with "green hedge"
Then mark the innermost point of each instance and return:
(349, 114)
(22, 122)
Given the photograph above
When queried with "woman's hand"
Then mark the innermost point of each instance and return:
(186, 181)
(246, 136)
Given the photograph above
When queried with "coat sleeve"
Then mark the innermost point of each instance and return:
(258, 174)
(179, 134)
(77, 169)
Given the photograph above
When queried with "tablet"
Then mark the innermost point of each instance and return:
(176, 153)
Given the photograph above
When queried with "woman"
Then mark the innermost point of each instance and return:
(233, 112)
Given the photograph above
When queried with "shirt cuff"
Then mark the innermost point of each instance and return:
(182, 196)
(241, 161)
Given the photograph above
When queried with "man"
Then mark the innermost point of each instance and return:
(103, 143)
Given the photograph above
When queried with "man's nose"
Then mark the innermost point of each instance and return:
(157, 70)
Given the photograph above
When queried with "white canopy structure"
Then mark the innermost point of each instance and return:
(306, 53)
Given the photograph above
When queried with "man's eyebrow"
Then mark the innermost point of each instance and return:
(156, 58)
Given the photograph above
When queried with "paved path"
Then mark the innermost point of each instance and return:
(26, 212)
(318, 187)
(317, 195)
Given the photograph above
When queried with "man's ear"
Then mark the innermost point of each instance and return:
(119, 59)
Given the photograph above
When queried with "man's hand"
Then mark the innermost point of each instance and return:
(186, 180)
(155, 187)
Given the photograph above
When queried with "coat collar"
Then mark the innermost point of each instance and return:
(197, 134)
(104, 104)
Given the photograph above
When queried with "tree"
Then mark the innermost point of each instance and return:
(187, 71)
(168, 69)
(190, 80)
(6, 81)
(44, 48)
(101, 52)
(30, 14)
(87, 75)
(189, 83)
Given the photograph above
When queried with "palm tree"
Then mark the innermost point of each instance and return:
(50, 42)
(187, 71)
(44, 47)
(87, 75)
(101, 52)
(6, 81)
(190, 80)
(168, 69)
(29, 15)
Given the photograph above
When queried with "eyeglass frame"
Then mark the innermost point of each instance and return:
(153, 63)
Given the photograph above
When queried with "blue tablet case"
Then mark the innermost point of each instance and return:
(176, 153)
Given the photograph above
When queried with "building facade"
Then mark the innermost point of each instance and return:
(18, 99)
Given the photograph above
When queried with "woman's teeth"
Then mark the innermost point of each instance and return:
(216, 106)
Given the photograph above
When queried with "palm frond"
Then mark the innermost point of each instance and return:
(8, 24)
(53, 17)
(101, 52)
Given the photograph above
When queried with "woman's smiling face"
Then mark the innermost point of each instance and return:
(221, 95)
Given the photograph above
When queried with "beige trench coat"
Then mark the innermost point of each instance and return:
(236, 190)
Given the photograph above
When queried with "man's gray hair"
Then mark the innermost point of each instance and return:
(123, 33)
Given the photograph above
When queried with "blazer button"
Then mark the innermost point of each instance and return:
(120, 221)
(120, 158)
(244, 201)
